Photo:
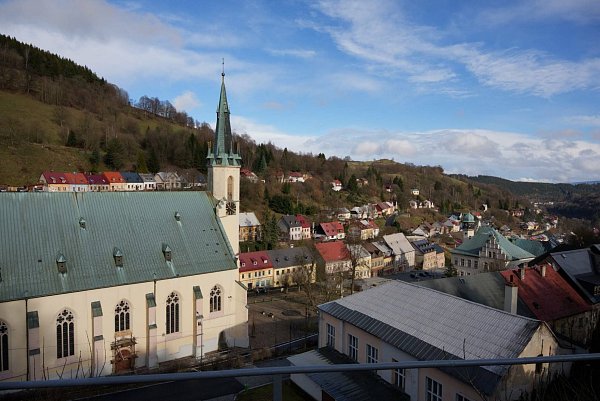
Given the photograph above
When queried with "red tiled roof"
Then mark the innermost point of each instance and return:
(304, 222)
(333, 251)
(76, 178)
(333, 228)
(54, 177)
(255, 261)
(96, 179)
(550, 297)
(114, 177)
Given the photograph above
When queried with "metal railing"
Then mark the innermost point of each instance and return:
(278, 372)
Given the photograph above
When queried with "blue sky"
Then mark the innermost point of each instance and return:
(503, 88)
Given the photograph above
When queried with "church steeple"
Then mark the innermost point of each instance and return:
(222, 152)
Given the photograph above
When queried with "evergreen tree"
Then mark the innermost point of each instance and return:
(352, 185)
(72, 139)
(141, 166)
(115, 154)
(153, 163)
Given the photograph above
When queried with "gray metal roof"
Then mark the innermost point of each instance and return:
(484, 288)
(248, 219)
(472, 246)
(287, 257)
(398, 243)
(429, 324)
(36, 227)
(580, 268)
(346, 386)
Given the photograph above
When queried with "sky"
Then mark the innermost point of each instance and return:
(503, 88)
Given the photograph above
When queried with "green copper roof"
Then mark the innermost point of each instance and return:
(35, 227)
(468, 218)
(472, 246)
(222, 152)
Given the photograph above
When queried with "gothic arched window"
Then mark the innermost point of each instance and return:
(3, 346)
(215, 299)
(122, 316)
(230, 188)
(172, 310)
(65, 334)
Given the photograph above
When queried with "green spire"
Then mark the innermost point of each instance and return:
(222, 152)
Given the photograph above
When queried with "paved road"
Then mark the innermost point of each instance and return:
(190, 390)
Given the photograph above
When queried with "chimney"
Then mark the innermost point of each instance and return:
(522, 273)
(510, 296)
(543, 270)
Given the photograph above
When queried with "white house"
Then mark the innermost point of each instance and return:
(371, 327)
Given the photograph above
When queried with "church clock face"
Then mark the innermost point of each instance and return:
(230, 208)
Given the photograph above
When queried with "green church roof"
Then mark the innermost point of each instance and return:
(468, 218)
(36, 227)
(472, 245)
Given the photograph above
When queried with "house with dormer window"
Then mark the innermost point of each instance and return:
(256, 269)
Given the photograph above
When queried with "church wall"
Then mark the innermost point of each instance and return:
(45, 363)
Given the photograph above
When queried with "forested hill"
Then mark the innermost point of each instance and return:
(570, 200)
(57, 115)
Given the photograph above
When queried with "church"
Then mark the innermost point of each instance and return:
(94, 284)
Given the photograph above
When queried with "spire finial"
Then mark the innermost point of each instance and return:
(223, 67)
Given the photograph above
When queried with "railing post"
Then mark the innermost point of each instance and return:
(277, 388)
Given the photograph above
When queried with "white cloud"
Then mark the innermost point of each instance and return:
(579, 11)
(585, 120)
(400, 147)
(379, 33)
(366, 149)
(186, 101)
(299, 53)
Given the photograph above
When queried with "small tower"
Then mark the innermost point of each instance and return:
(224, 172)
(467, 225)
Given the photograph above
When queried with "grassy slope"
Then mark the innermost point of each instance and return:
(25, 121)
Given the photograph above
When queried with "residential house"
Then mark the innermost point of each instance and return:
(332, 230)
(363, 229)
(250, 228)
(361, 259)
(148, 181)
(77, 182)
(388, 258)
(292, 266)
(413, 204)
(97, 183)
(192, 179)
(385, 208)
(581, 269)
(333, 257)
(115, 180)
(290, 227)
(377, 259)
(553, 300)
(54, 181)
(306, 226)
(370, 327)
(256, 269)
(134, 181)
(403, 251)
(249, 175)
(295, 176)
(415, 191)
(336, 185)
(343, 214)
(362, 182)
(168, 180)
(428, 256)
(487, 250)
